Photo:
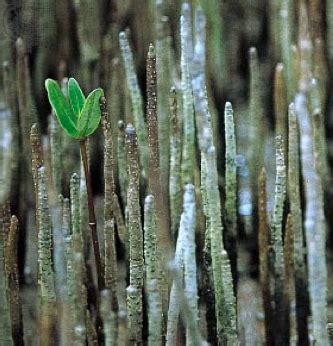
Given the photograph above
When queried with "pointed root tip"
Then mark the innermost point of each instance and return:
(186, 7)
(34, 128)
(189, 188)
(122, 35)
(228, 106)
(291, 107)
(102, 100)
(121, 125)
(75, 177)
(279, 67)
(41, 170)
(199, 10)
(130, 129)
(314, 82)
(253, 52)
(14, 219)
(149, 199)
(131, 289)
(151, 51)
(189, 195)
(19, 44)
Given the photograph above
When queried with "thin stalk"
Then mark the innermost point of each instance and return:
(329, 33)
(320, 68)
(301, 290)
(182, 287)
(320, 63)
(155, 176)
(263, 243)
(281, 325)
(58, 248)
(5, 321)
(13, 281)
(134, 314)
(319, 135)
(305, 48)
(134, 291)
(286, 29)
(7, 222)
(6, 141)
(164, 69)
(188, 153)
(136, 100)
(110, 264)
(314, 223)
(186, 313)
(92, 336)
(175, 190)
(109, 319)
(10, 97)
(208, 287)
(280, 104)
(231, 189)
(153, 273)
(199, 77)
(84, 218)
(36, 155)
(46, 287)
(190, 267)
(225, 303)
(36, 163)
(78, 265)
(92, 216)
(122, 162)
(114, 94)
(67, 320)
(288, 249)
(154, 173)
(295, 56)
(56, 152)
(256, 121)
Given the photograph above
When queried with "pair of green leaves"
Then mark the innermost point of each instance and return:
(78, 116)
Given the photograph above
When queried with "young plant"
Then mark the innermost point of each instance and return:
(80, 117)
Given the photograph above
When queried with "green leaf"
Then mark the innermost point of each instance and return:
(76, 96)
(91, 114)
(62, 108)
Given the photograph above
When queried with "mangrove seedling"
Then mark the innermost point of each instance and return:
(80, 117)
